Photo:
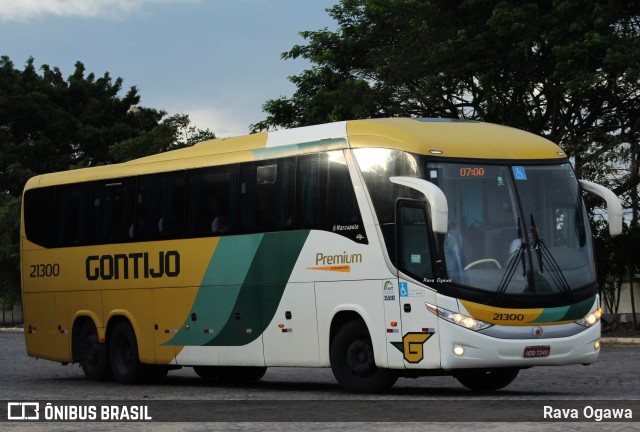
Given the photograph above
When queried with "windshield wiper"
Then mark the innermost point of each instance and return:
(518, 255)
(510, 271)
(535, 245)
(544, 255)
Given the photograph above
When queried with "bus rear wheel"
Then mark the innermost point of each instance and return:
(353, 362)
(123, 353)
(92, 355)
(486, 379)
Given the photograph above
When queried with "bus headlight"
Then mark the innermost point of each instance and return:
(590, 319)
(458, 318)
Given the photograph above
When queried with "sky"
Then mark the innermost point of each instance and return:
(216, 60)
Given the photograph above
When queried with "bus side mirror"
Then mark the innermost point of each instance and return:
(614, 208)
(434, 196)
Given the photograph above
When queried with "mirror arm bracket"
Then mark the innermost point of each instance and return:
(614, 208)
(434, 196)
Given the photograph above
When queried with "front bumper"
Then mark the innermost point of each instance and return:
(482, 351)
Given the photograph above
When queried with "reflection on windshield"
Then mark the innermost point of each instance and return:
(514, 229)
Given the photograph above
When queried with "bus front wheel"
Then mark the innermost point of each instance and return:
(486, 379)
(92, 355)
(123, 353)
(353, 362)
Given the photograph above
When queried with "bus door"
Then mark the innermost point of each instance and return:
(414, 254)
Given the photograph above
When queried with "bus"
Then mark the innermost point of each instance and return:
(381, 248)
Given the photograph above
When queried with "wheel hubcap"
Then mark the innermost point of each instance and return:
(360, 357)
(124, 355)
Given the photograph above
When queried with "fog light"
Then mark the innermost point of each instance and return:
(596, 345)
(458, 350)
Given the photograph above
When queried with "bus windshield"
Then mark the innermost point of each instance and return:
(515, 230)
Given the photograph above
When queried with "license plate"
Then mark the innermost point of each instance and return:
(537, 351)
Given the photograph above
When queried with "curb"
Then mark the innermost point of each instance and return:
(604, 340)
(11, 330)
(620, 341)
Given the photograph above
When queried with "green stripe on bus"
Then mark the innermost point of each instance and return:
(256, 269)
(566, 313)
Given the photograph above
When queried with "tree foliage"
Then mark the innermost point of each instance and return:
(51, 124)
(170, 134)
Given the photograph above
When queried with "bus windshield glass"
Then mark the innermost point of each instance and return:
(515, 230)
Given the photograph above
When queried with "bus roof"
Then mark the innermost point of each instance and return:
(448, 138)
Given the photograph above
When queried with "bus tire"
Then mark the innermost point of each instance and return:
(92, 354)
(123, 354)
(209, 373)
(486, 379)
(353, 362)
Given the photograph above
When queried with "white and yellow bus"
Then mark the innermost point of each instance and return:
(379, 248)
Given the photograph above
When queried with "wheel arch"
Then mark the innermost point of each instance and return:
(128, 370)
(143, 330)
(116, 317)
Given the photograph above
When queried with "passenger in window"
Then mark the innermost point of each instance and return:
(220, 224)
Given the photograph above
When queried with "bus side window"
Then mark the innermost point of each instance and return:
(324, 193)
(266, 195)
(414, 252)
(72, 214)
(38, 221)
(160, 206)
(113, 210)
(377, 166)
(211, 201)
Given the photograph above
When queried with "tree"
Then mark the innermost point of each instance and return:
(172, 133)
(9, 249)
(8, 299)
(50, 124)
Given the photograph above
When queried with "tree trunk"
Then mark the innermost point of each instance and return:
(633, 300)
(618, 293)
